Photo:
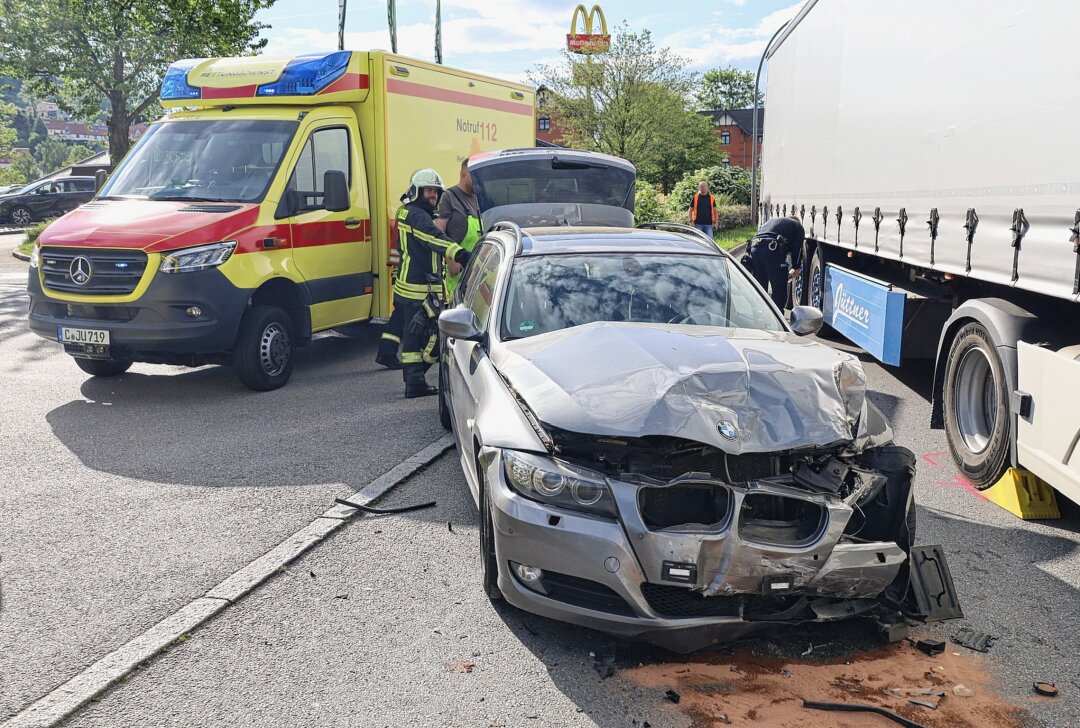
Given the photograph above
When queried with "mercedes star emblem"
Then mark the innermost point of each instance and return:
(80, 270)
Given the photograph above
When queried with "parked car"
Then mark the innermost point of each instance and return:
(10, 189)
(46, 199)
(655, 451)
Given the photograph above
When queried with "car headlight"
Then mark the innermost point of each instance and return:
(558, 483)
(202, 257)
(35, 256)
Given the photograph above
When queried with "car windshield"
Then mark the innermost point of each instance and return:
(209, 161)
(549, 180)
(552, 292)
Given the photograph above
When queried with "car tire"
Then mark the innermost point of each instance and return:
(103, 367)
(21, 217)
(263, 354)
(489, 564)
(444, 409)
(977, 407)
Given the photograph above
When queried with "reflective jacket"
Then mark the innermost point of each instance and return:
(422, 247)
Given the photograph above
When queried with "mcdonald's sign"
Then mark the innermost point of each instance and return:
(588, 41)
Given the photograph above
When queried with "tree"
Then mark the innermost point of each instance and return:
(77, 153)
(116, 51)
(632, 102)
(731, 185)
(727, 88)
(25, 166)
(51, 155)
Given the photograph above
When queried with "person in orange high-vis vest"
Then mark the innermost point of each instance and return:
(703, 209)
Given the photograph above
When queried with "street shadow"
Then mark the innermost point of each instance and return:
(338, 420)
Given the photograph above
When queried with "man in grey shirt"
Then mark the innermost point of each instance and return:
(458, 215)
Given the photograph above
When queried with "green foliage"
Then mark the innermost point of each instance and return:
(728, 239)
(51, 155)
(93, 51)
(727, 88)
(25, 167)
(77, 153)
(34, 231)
(730, 185)
(729, 217)
(632, 102)
(647, 206)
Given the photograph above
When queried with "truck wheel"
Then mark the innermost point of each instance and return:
(103, 367)
(815, 282)
(489, 565)
(21, 217)
(263, 352)
(798, 286)
(976, 407)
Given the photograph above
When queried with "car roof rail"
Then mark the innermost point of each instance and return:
(512, 227)
(678, 227)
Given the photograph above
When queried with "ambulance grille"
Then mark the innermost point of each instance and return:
(112, 272)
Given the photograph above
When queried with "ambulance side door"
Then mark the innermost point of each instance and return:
(331, 248)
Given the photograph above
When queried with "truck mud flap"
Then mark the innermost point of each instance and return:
(931, 594)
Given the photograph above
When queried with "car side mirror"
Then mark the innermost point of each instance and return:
(806, 320)
(335, 191)
(460, 323)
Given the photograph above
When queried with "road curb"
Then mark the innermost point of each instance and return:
(20, 256)
(61, 702)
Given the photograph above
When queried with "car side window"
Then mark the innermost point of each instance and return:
(480, 286)
(326, 149)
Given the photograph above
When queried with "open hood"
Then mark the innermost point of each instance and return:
(739, 390)
(151, 225)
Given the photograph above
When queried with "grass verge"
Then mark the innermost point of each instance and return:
(728, 239)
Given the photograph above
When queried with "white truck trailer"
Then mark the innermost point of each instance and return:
(930, 149)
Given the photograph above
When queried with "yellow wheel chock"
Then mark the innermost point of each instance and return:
(1024, 495)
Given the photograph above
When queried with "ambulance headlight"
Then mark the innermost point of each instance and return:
(202, 257)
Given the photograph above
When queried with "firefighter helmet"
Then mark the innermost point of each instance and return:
(422, 178)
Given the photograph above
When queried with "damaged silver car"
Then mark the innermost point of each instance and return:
(655, 452)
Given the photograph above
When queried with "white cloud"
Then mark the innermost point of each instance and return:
(774, 20)
(715, 43)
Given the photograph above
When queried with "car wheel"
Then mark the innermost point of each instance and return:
(263, 354)
(977, 407)
(21, 217)
(444, 409)
(489, 565)
(103, 367)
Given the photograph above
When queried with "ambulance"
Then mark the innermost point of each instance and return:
(261, 210)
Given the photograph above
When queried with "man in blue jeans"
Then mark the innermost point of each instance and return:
(703, 209)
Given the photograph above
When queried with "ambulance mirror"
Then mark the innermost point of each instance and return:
(335, 191)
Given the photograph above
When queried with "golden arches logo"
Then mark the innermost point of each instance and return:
(588, 42)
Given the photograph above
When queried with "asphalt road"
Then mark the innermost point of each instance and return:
(123, 499)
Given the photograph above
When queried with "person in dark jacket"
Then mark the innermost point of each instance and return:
(418, 288)
(775, 254)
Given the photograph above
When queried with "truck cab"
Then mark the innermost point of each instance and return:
(235, 230)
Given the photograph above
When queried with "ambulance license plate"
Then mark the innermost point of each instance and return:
(67, 335)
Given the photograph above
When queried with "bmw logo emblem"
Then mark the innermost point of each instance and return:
(727, 430)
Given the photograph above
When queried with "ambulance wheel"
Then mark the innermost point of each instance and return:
(977, 407)
(263, 354)
(489, 564)
(103, 367)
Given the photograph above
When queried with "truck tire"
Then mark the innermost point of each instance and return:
(103, 367)
(263, 354)
(976, 404)
(21, 217)
(815, 280)
(798, 284)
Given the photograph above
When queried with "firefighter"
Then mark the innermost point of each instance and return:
(458, 216)
(418, 288)
(774, 255)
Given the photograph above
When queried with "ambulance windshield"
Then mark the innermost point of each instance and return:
(203, 161)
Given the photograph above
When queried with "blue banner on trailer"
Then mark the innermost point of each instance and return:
(865, 310)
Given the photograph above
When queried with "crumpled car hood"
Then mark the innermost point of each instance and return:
(739, 390)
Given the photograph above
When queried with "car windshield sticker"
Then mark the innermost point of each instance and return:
(526, 326)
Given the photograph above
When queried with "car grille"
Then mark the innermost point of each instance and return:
(584, 593)
(683, 504)
(112, 272)
(675, 601)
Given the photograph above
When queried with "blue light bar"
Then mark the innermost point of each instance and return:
(307, 75)
(175, 86)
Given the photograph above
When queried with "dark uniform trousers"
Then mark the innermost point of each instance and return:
(392, 332)
(419, 345)
(769, 265)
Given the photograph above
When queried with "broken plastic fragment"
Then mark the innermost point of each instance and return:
(962, 691)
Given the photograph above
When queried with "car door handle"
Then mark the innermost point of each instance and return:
(351, 222)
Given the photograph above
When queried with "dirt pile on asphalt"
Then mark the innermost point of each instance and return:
(746, 689)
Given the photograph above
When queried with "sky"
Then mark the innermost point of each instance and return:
(507, 38)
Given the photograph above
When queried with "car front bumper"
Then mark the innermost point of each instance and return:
(610, 575)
